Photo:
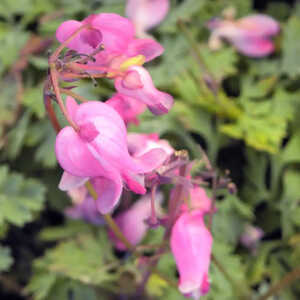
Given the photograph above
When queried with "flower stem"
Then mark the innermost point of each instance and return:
(284, 282)
(49, 108)
(110, 221)
(55, 85)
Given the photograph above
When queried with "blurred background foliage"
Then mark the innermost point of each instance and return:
(250, 128)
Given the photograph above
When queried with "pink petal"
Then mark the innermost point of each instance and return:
(253, 47)
(139, 144)
(85, 42)
(69, 182)
(260, 25)
(127, 107)
(158, 102)
(191, 245)
(74, 156)
(147, 13)
(109, 191)
(117, 31)
(94, 109)
(72, 107)
(132, 81)
(147, 47)
(132, 222)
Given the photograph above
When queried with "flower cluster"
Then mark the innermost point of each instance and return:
(102, 162)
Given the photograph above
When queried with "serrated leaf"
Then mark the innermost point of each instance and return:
(20, 198)
(89, 262)
(42, 135)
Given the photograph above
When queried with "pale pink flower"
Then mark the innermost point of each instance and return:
(250, 35)
(128, 108)
(137, 83)
(146, 14)
(141, 143)
(251, 236)
(133, 222)
(191, 245)
(98, 151)
(86, 210)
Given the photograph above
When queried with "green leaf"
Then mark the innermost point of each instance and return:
(17, 135)
(291, 47)
(42, 136)
(5, 259)
(185, 11)
(20, 197)
(90, 262)
(33, 99)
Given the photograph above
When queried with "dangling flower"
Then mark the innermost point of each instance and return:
(250, 35)
(121, 59)
(137, 83)
(191, 245)
(84, 207)
(133, 222)
(98, 151)
(146, 14)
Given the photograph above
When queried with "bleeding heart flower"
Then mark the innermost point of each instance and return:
(116, 33)
(133, 222)
(250, 35)
(137, 83)
(191, 245)
(146, 14)
(98, 151)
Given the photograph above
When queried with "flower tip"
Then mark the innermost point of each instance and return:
(163, 106)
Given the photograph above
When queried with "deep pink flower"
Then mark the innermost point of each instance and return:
(132, 222)
(191, 245)
(98, 151)
(127, 107)
(146, 14)
(137, 83)
(250, 35)
(116, 33)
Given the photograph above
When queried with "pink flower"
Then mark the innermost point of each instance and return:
(98, 151)
(133, 223)
(251, 237)
(121, 58)
(127, 107)
(250, 35)
(191, 245)
(141, 143)
(137, 83)
(116, 34)
(86, 210)
(146, 14)
(199, 200)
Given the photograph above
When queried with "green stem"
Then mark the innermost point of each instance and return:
(283, 283)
